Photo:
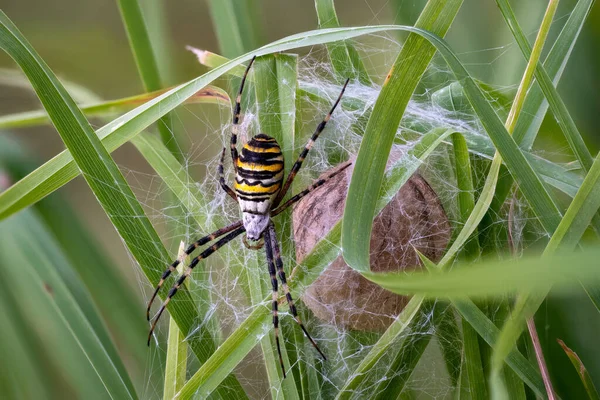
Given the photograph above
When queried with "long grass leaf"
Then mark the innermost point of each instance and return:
(209, 94)
(139, 40)
(117, 303)
(100, 172)
(381, 129)
(60, 169)
(236, 25)
(472, 363)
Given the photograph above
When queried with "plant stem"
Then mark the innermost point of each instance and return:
(539, 356)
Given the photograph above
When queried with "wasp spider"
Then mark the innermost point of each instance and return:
(259, 191)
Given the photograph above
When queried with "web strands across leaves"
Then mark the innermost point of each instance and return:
(220, 285)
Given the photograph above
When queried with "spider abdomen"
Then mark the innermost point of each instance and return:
(258, 181)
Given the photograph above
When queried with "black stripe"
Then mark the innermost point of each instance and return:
(261, 162)
(258, 158)
(263, 145)
(256, 183)
(249, 174)
(254, 199)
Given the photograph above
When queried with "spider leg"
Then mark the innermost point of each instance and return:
(272, 241)
(300, 160)
(271, 263)
(188, 251)
(236, 117)
(309, 189)
(207, 252)
(226, 188)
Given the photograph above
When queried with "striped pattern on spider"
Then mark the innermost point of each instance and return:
(259, 189)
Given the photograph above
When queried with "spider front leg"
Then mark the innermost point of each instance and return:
(187, 252)
(205, 254)
(300, 160)
(236, 117)
(226, 188)
(274, 254)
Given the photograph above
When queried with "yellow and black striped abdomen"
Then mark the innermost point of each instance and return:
(259, 174)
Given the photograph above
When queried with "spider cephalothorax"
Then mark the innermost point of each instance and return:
(259, 191)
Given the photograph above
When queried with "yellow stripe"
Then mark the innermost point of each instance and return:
(262, 150)
(257, 188)
(259, 167)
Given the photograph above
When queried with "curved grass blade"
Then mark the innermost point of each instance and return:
(381, 129)
(553, 174)
(101, 174)
(495, 279)
(210, 94)
(60, 169)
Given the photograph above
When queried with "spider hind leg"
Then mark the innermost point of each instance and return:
(274, 256)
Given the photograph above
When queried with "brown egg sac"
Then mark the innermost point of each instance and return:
(414, 219)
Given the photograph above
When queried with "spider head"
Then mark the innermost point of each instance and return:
(255, 224)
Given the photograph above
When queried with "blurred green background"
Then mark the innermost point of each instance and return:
(84, 42)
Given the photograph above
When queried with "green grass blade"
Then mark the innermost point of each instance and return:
(450, 340)
(74, 351)
(344, 58)
(61, 169)
(117, 303)
(381, 130)
(584, 375)
(275, 89)
(558, 107)
(472, 363)
(107, 108)
(164, 163)
(566, 237)
(482, 280)
(176, 362)
(489, 332)
(139, 40)
(406, 321)
(553, 174)
(408, 355)
(101, 173)
(535, 106)
(236, 24)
